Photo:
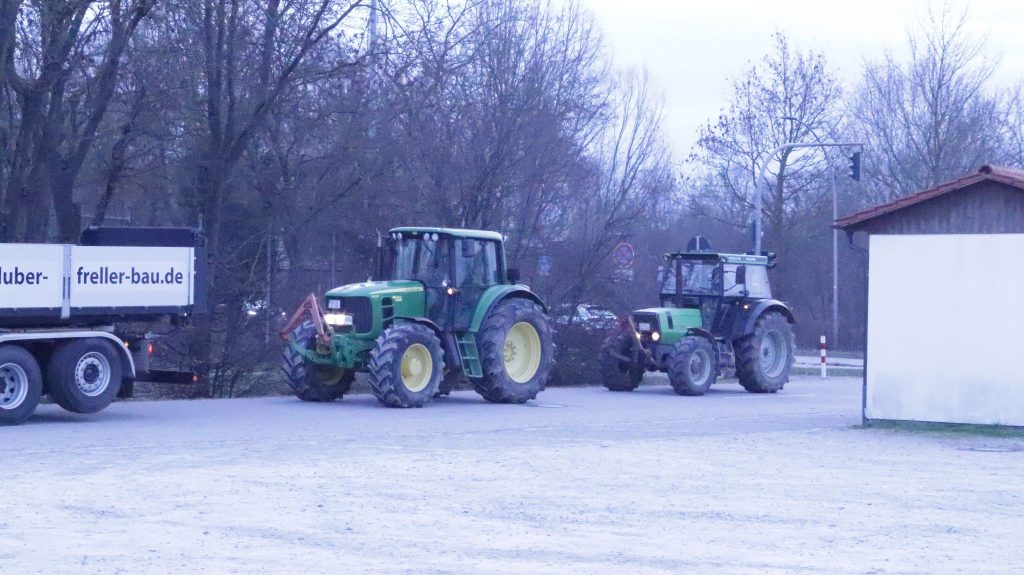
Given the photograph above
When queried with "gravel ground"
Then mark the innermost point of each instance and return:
(580, 481)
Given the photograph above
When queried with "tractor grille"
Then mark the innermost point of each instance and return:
(646, 324)
(361, 310)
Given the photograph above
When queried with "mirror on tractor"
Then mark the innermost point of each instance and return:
(741, 274)
(661, 275)
(513, 275)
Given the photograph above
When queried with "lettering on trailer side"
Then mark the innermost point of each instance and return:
(31, 276)
(105, 276)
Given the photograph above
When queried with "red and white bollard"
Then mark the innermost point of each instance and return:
(824, 369)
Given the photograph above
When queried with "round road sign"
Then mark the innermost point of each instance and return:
(623, 254)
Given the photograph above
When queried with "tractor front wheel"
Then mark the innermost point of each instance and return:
(764, 358)
(618, 375)
(309, 381)
(518, 352)
(406, 366)
(692, 366)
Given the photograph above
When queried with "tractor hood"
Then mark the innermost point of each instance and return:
(368, 289)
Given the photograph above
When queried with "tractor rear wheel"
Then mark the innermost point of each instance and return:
(517, 352)
(406, 366)
(309, 381)
(764, 358)
(618, 375)
(692, 366)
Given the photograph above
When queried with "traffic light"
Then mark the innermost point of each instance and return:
(855, 166)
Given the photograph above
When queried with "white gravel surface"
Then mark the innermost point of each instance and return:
(581, 481)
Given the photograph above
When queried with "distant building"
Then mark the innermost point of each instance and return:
(945, 333)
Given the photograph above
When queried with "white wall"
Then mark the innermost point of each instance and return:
(946, 329)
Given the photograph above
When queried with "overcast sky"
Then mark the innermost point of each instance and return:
(691, 48)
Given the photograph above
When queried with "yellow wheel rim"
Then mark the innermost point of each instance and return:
(522, 352)
(417, 367)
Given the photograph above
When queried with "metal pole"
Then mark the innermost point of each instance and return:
(334, 257)
(270, 280)
(835, 215)
(835, 265)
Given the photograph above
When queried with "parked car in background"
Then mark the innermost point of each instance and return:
(590, 317)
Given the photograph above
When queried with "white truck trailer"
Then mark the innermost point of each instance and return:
(60, 303)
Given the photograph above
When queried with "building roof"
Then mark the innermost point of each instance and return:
(1010, 176)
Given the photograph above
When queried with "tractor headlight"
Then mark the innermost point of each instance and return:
(338, 319)
(655, 336)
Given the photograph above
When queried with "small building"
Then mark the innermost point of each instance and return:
(945, 333)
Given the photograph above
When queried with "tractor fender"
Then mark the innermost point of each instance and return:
(495, 294)
(423, 321)
(745, 324)
(701, 332)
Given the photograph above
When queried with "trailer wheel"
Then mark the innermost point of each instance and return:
(21, 384)
(618, 375)
(84, 375)
(310, 382)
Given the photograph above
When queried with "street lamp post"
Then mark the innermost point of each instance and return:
(835, 212)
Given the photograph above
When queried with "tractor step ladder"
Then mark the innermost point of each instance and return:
(468, 353)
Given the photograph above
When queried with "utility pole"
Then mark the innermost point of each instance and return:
(835, 210)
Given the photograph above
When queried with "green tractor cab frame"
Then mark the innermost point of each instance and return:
(716, 314)
(445, 309)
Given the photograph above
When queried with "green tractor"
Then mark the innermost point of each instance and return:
(716, 314)
(445, 309)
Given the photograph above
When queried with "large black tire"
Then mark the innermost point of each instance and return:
(619, 375)
(692, 366)
(764, 358)
(406, 366)
(21, 385)
(311, 382)
(499, 353)
(84, 375)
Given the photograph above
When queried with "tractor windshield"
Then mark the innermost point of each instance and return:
(699, 277)
(422, 259)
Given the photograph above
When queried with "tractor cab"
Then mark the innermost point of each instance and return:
(713, 283)
(689, 278)
(454, 266)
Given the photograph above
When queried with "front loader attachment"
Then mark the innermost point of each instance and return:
(309, 307)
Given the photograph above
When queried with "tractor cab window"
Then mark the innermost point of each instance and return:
(699, 277)
(476, 264)
(421, 258)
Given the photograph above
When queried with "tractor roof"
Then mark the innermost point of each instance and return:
(455, 232)
(748, 259)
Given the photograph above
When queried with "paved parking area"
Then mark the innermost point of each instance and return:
(580, 481)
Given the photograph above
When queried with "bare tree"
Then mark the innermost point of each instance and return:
(733, 148)
(932, 117)
(64, 70)
(632, 179)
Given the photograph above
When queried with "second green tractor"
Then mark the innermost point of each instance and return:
(444, 310)
(716, 314)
